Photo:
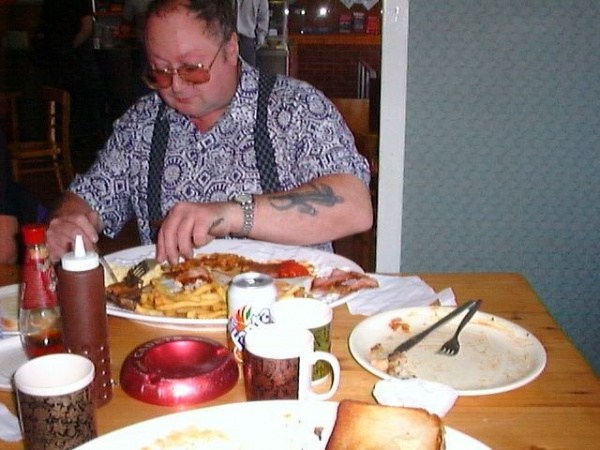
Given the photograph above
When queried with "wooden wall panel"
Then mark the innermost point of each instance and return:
(334, 68)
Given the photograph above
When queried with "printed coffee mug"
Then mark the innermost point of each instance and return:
(315, 316)
(278, 362)
(55, 401)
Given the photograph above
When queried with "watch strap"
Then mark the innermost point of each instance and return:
(248, 212)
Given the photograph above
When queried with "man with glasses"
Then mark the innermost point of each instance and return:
(218, 150)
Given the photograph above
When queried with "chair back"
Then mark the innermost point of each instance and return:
(53, 154)
(355, 111)
(8, 113)
(58, 117)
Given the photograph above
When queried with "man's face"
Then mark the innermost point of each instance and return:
(177, 39)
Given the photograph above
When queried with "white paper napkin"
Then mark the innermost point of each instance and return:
(397, 292)
(436, 398)
(9, 425)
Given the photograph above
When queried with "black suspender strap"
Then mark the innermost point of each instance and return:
(158, 147)
(265, 155)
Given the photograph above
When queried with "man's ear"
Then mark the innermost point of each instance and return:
(232, 48)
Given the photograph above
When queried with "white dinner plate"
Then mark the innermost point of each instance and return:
(495, 355)
(323, 262)
(273, 425)
(9, 305)
(12, 357)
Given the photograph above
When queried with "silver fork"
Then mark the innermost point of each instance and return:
(452, 346)
(135, 274)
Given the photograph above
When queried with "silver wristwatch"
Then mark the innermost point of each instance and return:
(246, 201)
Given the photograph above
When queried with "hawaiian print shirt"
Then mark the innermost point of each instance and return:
(309, 137)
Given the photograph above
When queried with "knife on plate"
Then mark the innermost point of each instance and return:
(104, 263)
(411, 342)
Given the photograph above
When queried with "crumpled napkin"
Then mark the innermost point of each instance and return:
(436, 398)
(10, 430)
(397, 292)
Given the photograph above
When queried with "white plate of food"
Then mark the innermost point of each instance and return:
(12, 357)
(9, 307)
(323, 263)
(495, 355)
(272, 425)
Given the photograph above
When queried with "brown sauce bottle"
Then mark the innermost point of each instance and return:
(83, 306)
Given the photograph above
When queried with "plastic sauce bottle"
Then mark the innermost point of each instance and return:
(39, 312)
(83, 306)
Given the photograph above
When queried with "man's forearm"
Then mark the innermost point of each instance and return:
(325, 209)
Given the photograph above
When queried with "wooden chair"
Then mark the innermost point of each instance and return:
(52, 154)
(8, 114)
(355, 112)
(361, 247)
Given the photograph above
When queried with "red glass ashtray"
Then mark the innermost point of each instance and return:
(179, 371)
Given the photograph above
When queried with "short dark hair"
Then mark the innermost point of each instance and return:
(219, 15)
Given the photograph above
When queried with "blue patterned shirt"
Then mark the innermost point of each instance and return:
(309, 137)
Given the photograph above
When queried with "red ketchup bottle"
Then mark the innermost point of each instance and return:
(83, 306)
(39, 312)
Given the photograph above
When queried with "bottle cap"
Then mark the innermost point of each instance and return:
(79, 260)
(34, 233)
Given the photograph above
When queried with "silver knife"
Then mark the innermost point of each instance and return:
(109, 270)
(104, 263)
(411, 342)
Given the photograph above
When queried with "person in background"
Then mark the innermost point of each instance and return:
(17, 207)
(134, 19)
(218, 151)
(9, 224)
(252, 27)
(63, 51)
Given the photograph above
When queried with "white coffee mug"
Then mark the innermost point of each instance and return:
(55, 401)
(278, 364)
(315, 316)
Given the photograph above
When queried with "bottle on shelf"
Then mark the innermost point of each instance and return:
(83, 306)
(39, 311)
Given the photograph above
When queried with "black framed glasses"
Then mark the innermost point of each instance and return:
(191, 73)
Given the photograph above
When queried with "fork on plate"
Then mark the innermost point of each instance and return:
(135, 274)
(452, 346)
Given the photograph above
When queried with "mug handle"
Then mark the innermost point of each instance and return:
(335, 371)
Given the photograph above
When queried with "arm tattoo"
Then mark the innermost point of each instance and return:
(215, 224)
(303, 201)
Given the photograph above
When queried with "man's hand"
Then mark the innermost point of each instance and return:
(64, 227)
(190, 225)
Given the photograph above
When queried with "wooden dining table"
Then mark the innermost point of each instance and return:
(560, 409)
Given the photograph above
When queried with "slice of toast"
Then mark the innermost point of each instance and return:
(367, 426)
